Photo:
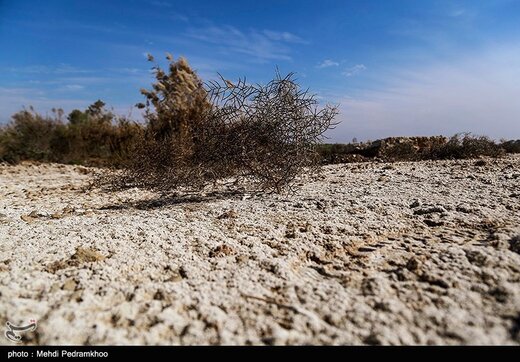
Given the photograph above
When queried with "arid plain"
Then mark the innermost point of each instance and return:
(364, 253)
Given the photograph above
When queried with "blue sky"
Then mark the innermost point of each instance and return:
(395, 67)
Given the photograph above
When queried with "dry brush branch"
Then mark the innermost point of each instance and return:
(197, 134)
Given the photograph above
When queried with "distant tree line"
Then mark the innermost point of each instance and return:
(93, 136)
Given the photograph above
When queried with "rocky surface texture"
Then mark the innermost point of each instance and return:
(367, 253)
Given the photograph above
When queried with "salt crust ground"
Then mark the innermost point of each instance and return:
(370, 253)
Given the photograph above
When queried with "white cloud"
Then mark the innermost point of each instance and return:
(327, 63)
(283, 36)
(180, 17)
(260, 45)
(356, 69)
(44, 69)
(13, 99)
(478, 93)
(73, 87)
(161, 4)
(69, 69)
(457, 13)
(461, 13)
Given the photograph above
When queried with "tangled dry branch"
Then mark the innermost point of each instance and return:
(274, 127)
(198, 134)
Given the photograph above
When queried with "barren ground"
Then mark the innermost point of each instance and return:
(370, 253)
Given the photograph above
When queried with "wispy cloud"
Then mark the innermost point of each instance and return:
(44, 69)
(356, 69)
(128, 70)
(327, 63)
(13, 99)
(68, 87)
(284, 36)
(161, 4)
(180, 17)
(260, 45)
(477, 93)
(72, 87)
(458, 12)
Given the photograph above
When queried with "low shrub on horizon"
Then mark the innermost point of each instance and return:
(459, 146)
(466, 145)
(512, 146)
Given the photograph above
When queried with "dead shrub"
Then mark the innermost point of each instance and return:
(197, 134)
(274, 128)
(166, 151)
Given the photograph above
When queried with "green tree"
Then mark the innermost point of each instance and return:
(77, 117)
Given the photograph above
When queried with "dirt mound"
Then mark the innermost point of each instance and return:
(81, 256)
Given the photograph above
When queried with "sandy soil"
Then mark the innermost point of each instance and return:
(371, 253)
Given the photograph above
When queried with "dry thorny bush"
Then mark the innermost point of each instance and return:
(199, 133)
